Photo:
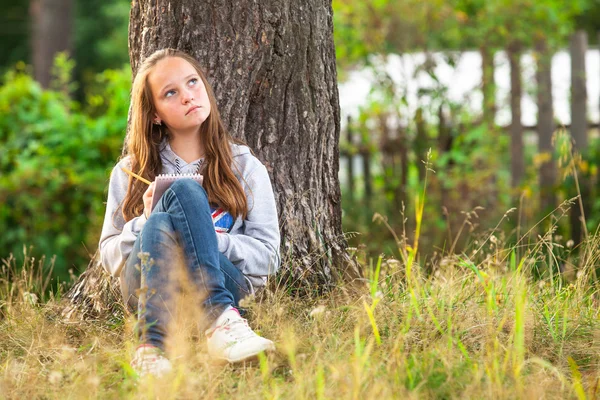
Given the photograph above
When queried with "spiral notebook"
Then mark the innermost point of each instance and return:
(164, 181)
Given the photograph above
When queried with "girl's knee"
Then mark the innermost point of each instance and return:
(188, 187)
(159, 222)
(159, 218)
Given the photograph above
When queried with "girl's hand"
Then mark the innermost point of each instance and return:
(148, 199)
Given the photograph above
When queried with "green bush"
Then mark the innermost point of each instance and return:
(55, 160)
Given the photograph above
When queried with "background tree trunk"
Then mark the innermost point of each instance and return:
(51, 33)
(517, 155)
(272, 66)
(351, 146)
(578, 90)
(488, 86)
(545, 126)
(579, 125)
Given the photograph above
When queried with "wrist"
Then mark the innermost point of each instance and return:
(138, 223)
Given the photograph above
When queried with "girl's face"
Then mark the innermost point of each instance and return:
(179, 95)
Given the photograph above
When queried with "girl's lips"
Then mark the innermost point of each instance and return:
(192, 109)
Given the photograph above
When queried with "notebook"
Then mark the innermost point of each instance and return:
(164, 181)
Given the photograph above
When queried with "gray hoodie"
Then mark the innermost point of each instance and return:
(252, 244)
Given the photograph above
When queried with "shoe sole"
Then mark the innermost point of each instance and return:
(253, 358)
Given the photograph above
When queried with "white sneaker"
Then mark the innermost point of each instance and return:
(149, 360)
(233, 341)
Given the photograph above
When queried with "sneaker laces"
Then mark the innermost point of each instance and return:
(237, 328)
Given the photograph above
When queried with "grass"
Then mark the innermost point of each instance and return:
(476, 328)
(495, 322)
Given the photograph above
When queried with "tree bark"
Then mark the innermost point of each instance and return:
(444, 145)
(488, 86)
(95, 295)
(51, 33)
(578, 90)
(393, 151)
(545, 125)
(579, 125)
(517, 155)
(350, 156)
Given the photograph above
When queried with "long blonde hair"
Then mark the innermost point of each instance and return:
(144, 138)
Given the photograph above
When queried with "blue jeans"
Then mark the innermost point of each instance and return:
(179, 231)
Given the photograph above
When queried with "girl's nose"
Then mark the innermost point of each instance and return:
(187, 98)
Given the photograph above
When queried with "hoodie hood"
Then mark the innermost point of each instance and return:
(239, 149)
(175, 164)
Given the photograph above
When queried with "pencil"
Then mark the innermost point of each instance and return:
(146, 181)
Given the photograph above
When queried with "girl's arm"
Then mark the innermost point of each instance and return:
(117, 237)
(255, 251)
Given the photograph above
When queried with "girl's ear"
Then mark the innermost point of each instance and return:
(157, 120)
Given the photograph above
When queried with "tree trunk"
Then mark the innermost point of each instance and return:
(402, 159)
(272, 66)
(491, 198)
(578, 90)
(95, 295)
(51, 33)
(545, 126)
(350, 156)
(517, 156)
(387, 150)
(488, 86)
(444, 145)
(579, 124)
(392, 151)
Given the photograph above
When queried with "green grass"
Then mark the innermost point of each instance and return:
(476, 328)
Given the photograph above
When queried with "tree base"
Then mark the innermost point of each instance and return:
(95, 296)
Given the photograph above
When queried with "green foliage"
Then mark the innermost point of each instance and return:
(100, 37)
(471, 159)
(363, 29)
(55, 160)
(499, 23)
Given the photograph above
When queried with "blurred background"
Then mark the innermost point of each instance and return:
(490, 104)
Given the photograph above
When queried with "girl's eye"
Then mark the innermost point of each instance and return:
(193, 81)
(170, 93)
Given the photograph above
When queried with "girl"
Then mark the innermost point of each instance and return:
(225, 231)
